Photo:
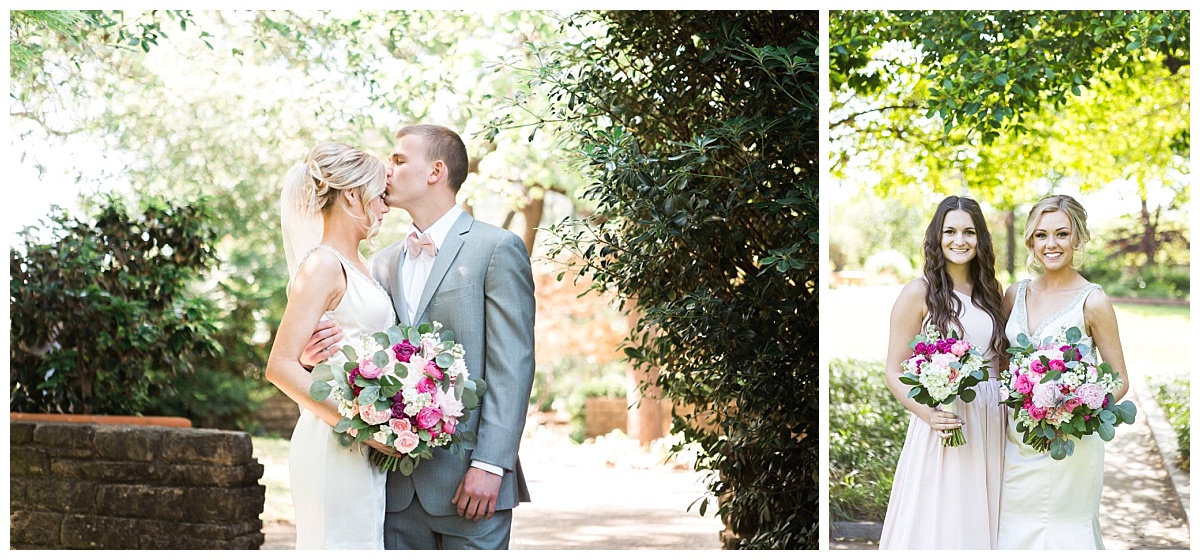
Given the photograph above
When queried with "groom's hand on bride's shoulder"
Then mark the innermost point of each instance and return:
(476, 494)
(322, 344)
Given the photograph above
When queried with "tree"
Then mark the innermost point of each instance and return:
(105, 319)
(225, 104)
(699, 134)
(1010, 104)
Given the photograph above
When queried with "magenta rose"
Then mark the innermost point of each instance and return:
(428, 418)
(921, 348)
(1022, 384)
(404, 350)
(1037, 413)
(1036, 366)
(1058, 365)
(354, 373)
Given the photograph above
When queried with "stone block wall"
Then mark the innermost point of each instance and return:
(93, 486)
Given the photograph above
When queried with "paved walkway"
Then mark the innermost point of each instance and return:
(1144, 503)
(609, 495)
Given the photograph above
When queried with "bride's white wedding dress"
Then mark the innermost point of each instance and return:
(337, 492)
(1046, 503)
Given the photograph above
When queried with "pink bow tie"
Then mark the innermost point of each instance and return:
(418, 244)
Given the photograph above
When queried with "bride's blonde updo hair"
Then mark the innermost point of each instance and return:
(1076, 215)
(333, 167)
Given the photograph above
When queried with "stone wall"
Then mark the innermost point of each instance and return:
(93, 486)
(277, 415)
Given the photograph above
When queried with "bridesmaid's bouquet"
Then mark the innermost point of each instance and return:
(941, 370)
(407, 388)
(1057, 395)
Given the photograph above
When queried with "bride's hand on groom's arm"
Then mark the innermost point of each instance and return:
(322, 344)
(477, 494)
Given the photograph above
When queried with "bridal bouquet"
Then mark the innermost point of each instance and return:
(1058, 396)
(941, 370)
(407, 388)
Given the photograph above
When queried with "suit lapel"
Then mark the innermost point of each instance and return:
(441, 265)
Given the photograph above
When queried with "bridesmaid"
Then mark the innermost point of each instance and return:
(1048, 503)
(949, 497)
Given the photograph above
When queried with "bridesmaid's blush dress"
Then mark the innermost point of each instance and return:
(949, 497)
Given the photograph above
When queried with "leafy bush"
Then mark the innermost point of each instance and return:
(1174, 396)
(867, 427)
(106, 316)
(699, 131)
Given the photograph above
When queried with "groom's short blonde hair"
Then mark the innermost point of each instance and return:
(443, 144)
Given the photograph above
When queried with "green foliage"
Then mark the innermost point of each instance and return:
(867, 427)
(104, 313)
(989, 68)
(699, 130)
(1174, 396)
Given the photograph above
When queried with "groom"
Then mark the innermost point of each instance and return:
(475, 279)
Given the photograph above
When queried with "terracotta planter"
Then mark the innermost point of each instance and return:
(164, 421)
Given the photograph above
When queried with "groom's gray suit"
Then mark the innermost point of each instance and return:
(480, 287)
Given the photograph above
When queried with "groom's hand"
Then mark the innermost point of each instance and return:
(476, 494)
(322, 344)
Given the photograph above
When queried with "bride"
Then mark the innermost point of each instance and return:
(1047, 503)
(335, 197)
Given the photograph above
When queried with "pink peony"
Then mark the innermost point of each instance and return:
(449, 425)
(368, 369)
(1022, 384)
(433, 371)
(1091, 395)
(428, 418)
(1058, 365)
(959, 348)
(1036, 366)
(406, 441)
(1046, 395)
(374, 417)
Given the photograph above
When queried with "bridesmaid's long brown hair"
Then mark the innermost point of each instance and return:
(943, 306)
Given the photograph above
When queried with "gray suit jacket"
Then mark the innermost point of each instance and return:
(480, 287)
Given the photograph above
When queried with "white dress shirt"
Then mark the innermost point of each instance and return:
(415, 272)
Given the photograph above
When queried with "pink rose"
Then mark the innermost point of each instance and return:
(433, 371)
(449, 425)
(1071, 404)
(428, 418)
(1036, 366)
(368, 369)
(1058, 365)
(959, 348)
(406, 441)
(426, 385)
(1022, 384)
(400, 425)
(374, 417)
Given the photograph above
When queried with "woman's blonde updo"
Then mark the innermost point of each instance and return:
(333, 167)
(1079, 230)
